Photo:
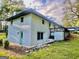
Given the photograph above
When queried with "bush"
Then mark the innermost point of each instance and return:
(6, 44)
(1, 42)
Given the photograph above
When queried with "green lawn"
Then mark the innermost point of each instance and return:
(2, 36)
(57, 50)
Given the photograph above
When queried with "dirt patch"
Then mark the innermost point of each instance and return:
(5, 52)
(74, 36)
(19, 49)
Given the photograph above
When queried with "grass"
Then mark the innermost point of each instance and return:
(57, 50)
(2, 36)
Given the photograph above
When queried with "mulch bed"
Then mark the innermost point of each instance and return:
(23, 50)
(19, 49)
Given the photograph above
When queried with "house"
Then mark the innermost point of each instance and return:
(29, 28)
(59, 32)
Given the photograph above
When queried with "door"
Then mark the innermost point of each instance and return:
(51, 35)
(21, 38)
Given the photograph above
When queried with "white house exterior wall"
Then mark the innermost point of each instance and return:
(58, 36)
(15, 29)
(37, 26)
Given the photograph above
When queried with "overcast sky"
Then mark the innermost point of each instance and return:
(54, 8)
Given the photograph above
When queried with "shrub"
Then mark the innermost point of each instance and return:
(1, 42)
(6, 44)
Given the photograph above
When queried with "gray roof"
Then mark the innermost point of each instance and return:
(73, 27)
(28, 11)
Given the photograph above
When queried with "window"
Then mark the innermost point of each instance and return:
(39, 35)
(51, 35)
(21, 38)
(42, 21)
(22, 19)
(49, 24)
(11, 21)
(21, 35)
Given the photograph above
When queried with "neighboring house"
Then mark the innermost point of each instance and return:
(30, 28)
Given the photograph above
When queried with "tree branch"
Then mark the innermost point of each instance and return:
(71, 7)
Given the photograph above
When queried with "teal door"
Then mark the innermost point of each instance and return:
(21, 38)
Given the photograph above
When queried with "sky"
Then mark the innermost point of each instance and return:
(41, 2)
(53, 8)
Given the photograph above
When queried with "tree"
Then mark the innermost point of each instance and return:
(71, 17)
(8, 7)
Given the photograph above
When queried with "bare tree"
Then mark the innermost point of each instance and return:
(73, 8)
